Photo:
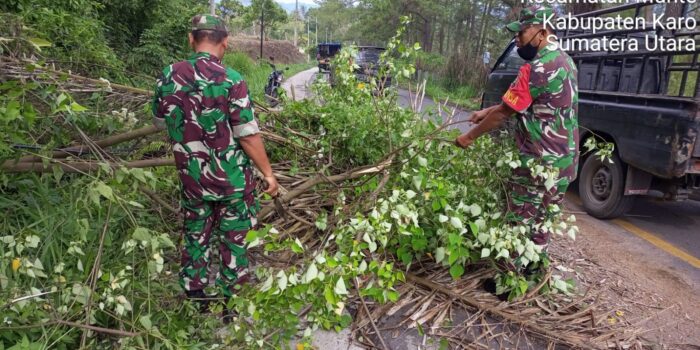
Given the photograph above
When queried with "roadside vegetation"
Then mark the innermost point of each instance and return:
(89, 241)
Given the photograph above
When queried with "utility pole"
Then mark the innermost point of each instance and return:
(296, 18)
(212, 7)
(262, 27)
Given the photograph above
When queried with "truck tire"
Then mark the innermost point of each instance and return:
(602, 187)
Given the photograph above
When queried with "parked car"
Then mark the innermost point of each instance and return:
(368, 66)
(645, 103)
(326, 52)
(367, 60)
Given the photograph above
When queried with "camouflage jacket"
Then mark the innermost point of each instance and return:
(545, 95)
(206, 110)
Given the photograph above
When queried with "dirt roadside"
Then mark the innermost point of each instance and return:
(637, 281)
(282, 50)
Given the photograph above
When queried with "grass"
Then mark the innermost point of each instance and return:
(256, 73)
(465, 96)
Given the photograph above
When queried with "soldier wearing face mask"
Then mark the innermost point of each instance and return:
(544, 100)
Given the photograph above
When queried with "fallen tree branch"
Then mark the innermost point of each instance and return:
(159, 200)
(77, 150)
(371, 320)
(81, 167)
(320, 179)
(98, 329)
(496, 312)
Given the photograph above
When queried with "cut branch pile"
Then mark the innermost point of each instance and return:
(458, 311)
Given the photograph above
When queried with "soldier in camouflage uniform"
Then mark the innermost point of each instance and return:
(544, 98)
(209, 118)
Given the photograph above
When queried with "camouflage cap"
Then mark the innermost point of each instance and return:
(534, 14)
(208, 22)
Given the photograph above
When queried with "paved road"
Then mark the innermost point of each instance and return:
(670, 228)
(429, 108)
(297, 86)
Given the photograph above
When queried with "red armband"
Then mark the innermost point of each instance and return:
(518, 95)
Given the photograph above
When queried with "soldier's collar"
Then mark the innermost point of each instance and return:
(549, 48)
(202, 54)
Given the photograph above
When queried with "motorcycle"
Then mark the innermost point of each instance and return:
(274, 82)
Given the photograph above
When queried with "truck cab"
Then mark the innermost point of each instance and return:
(645, 103)
(326, 52)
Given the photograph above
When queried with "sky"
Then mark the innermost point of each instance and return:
(289, 4)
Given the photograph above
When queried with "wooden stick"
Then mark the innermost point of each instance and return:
(371, 320)
(159, 200)
(98, 329)
(110, 141)
(93, 274)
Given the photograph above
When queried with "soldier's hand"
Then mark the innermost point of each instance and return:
(272, 185)
(464, 141)
(478, 116)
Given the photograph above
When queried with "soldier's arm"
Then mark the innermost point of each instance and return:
(495, 117)
(158, 119)
(246, 130)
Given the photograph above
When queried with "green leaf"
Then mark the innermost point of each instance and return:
(136, 204)
(146, 322)
(139, 174)
(311, 273)
(454, 255)
(104, 190)
(328, 294)
(456, 271)
(439, 254)
(251, 236)
(141, 234)
(38, 42)
(297, 247)
(475, 210)
(340, 287)
(282, 280)
(474, 227)
(522, 284)
(393, 296)
(75, 107)
(456, 223)
(322, 221)
(485, 253)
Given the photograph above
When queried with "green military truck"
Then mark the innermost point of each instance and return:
(644, 102)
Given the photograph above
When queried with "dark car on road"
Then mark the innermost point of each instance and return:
(368, 66)
(325, 53)
(644, 102)
(367, 60)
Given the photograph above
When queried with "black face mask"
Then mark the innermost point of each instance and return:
(528, 51)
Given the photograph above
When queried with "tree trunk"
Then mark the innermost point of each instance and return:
(427, 35)
(441, 37)
(484, 24)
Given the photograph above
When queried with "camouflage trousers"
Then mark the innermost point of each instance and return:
(529, 201)
(225, 223)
